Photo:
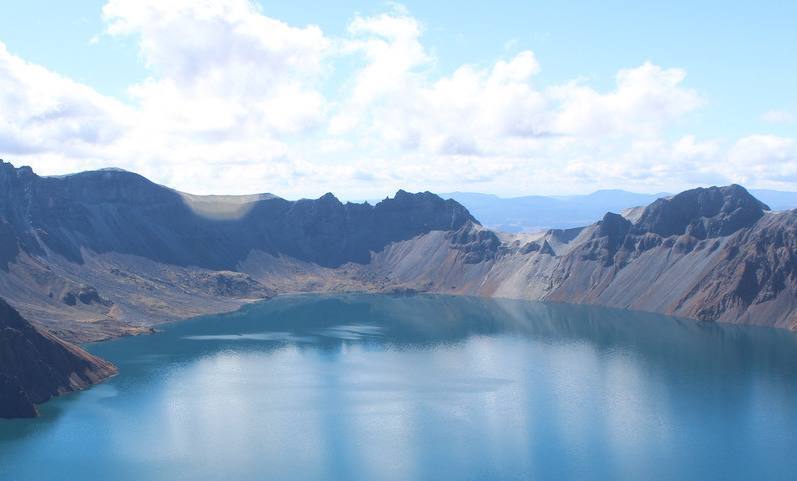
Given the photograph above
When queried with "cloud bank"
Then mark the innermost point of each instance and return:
(238, 102)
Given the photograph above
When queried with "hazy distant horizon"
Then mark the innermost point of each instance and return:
(781, 198)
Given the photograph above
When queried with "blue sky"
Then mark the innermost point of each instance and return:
(734, 116)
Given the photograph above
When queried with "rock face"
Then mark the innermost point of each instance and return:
(681, 222)
(35, 366)
(709, 254)
(476, 243)
(755, 275)
(702, 213)
(85, 295)
(14, 401)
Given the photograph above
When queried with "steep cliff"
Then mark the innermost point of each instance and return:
(709, 254)
(35, 366)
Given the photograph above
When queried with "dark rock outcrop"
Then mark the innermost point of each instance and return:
(702, 213)
(229, 284)
(85, 295)
(758, 266)
(609, 236)
(534, 246)
(476, 243)
(680, 222)
(35, 366)
(709, 254)
(14, 401)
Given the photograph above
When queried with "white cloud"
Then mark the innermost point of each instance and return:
(646, 99)
(763, 159)
(223, 67)
(53, 119)
(237, 101)
(689, 148)
(492, 111)
(391, 44)
(466, 113)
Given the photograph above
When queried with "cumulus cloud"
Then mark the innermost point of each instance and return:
(44, 112)
(466, 113)
(763, 158)
(222, 68)
(237, 101)
(646, 99)
(478, 110)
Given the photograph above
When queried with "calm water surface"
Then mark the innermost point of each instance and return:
(424, 388)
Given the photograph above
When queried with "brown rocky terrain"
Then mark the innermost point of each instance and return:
(35, 366)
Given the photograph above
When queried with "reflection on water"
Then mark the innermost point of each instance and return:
(362, 387)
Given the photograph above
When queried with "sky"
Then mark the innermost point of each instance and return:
(363, 98)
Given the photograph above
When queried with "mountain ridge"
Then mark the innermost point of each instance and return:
(533, 213)
(98, 210)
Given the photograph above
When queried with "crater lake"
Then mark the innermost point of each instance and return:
(424, 387)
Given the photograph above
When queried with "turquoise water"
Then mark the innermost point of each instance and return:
(375, 387)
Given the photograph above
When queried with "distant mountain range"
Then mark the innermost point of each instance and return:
(535, 212)
(102, 254)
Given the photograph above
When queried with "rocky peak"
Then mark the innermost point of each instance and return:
(401, 193)
(110, 186)
(609, 236)
(702, 213)
(329, 198)
(543, 248)
(613, 226)
(8, 170)
(427, 209)
(477, 243)
(13, 180)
